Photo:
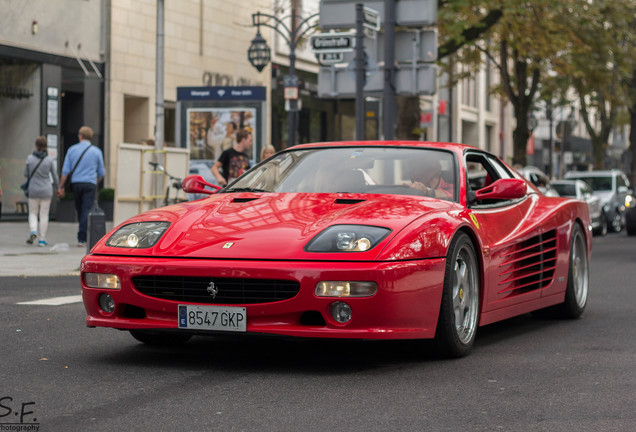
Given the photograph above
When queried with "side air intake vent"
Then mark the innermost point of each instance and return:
(529, 265)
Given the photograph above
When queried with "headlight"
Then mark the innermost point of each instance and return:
(138, 235)
(345, 289)
(102, 280)
(347, 238)
(629, 201)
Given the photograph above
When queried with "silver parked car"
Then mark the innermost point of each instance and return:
(582, 191)
(612, 187)
(539, 179)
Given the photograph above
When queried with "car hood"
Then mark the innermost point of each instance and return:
(605, 196)
(274, 226)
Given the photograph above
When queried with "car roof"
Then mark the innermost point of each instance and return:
(603, 173)
(455, 147)
(558, 182)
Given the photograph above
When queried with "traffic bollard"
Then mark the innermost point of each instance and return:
(96, 226)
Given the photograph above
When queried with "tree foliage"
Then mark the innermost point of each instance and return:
(599, 62)
(588, 44)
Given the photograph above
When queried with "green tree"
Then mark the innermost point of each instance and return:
(599, 63)
(456, 34)
(522, 43)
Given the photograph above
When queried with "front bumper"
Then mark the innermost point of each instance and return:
(406, 305)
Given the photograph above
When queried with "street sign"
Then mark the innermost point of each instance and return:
(341, 14)
(339, 82)
(418, 80)
(371, 19)
(291, 92)
(333, 42)
(328, 58)
(290, 81)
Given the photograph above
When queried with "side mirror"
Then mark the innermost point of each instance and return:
(503, 189)
(196, 184)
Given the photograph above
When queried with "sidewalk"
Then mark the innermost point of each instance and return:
(60, 257)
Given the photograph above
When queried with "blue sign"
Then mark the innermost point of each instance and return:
(221, 93)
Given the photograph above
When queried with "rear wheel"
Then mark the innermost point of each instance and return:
(459, 311)
(578, 280)
(150, 337)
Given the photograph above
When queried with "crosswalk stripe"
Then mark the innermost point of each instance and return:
(55, 301)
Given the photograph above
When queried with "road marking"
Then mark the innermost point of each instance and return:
(55, 301)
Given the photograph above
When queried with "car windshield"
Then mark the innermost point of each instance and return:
(379, 170)
(567, 190)
(598, 183)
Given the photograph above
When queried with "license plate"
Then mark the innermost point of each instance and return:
(218, 318)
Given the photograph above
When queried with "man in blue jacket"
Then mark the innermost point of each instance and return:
(84, 164)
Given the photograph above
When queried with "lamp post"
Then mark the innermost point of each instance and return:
(548, 113)
(568, 129)
(259, 54)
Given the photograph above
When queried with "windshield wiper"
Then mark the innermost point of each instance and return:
(245, 189)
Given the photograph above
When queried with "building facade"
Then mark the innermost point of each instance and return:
(101, 55)
(51, 82)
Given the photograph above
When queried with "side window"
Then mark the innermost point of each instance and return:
(477, 175)
(502, 171)
(620, 181)
(481, 172)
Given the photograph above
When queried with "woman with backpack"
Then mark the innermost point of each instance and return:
(41, 174)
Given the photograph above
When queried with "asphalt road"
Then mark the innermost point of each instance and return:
(524, 374)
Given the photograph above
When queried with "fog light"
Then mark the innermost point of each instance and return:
(345, 289)
(102, 280)
(106, 303)
(341, 312)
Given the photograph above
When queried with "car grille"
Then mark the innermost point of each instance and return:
(529, 265)
(228, 290)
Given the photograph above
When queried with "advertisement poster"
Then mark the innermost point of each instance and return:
(213, 130)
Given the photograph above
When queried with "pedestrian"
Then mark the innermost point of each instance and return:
(267, 151)
(233, 161)
(41, 174)
(84, 168)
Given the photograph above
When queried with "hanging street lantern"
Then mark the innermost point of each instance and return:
(259, 53)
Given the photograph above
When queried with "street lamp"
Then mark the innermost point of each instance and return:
(259, 54)
(568, 129)
(548, 113)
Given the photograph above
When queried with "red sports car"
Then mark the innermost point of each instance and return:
(369, 240)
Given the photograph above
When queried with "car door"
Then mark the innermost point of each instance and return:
(507, 234)
(594, 202)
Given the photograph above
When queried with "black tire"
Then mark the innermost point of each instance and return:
(630, 222)
(617, 222)
(158, 338)
(578, 277)
(459, 310)
(602, 229)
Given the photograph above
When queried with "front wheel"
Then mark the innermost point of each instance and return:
(602, 229)
(459, 311)
(617, 222)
